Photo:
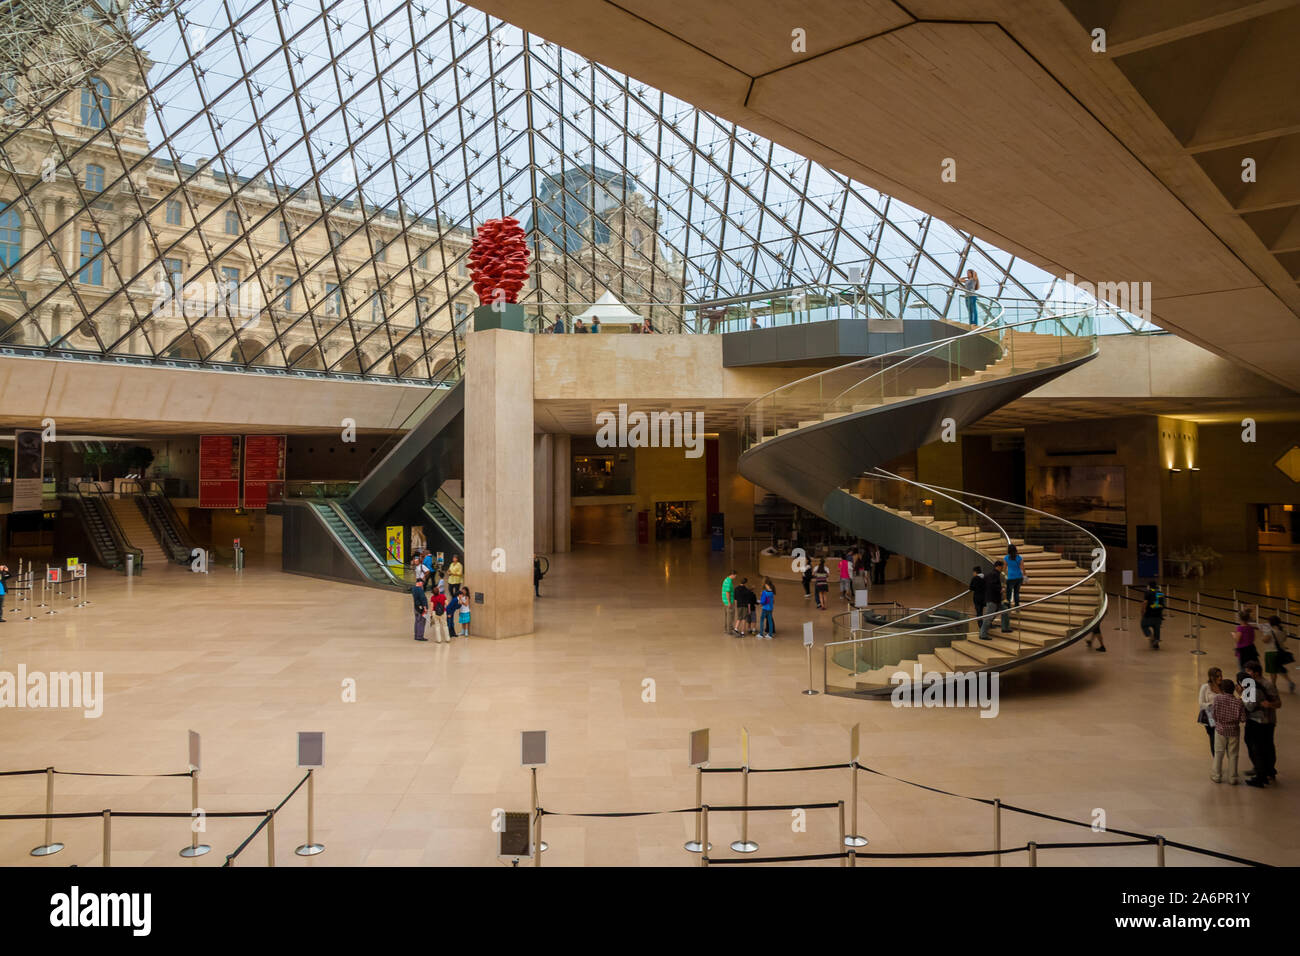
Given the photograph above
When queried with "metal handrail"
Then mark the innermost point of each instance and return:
(153, 488)
(334, 506)
(450, 505)
(115, 529)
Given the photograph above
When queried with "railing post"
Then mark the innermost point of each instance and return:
(1160, 850)
(270, 838)
(997, 831)
(704, 834)
(840, 846)
(49, 847)
(108, 838)
(1033, 853)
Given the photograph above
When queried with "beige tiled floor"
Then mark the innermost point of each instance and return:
(417, 765)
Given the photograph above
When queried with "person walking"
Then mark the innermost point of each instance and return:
(421, 609)
(462, 613)
(729, 603)
(877, 564)
(455, 573)
(971, 284)
(846, 572)
(807, 579)
(1244, 632)
(993, 601)
(1205, 700)
(976, 588)
(1153, 613)
(537, 575)
(767, 600)
(859, 580)
(1228, 714)
(1101, 645)
(1261, 700)
(821, 579)
(1275, 661)
(1015, 563)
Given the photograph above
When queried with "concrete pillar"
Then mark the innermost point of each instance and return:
(735, 493)
(561, 494)
(499, 481)
(543, 492)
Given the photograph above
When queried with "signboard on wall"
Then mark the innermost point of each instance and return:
(263, 469)
(393, 536)
(219, 461)
(29, 468)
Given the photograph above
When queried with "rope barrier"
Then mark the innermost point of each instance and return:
(266, 818)
(630, 813)
(87, 773)
(779, 859)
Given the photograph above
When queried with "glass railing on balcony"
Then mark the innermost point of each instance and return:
(304, 488)
(1010, 344)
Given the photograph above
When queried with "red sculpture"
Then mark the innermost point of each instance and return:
(498, 261)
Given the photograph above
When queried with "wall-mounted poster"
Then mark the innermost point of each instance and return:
(1092, 496)
(219, 461)
(263, 469)
(394, 536)
(29, 467)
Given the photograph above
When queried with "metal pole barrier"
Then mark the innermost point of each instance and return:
(704, 831)
(809, 692)
(1160, 850)
(854, 838)
(195, 848)
(694, 846)
(537, 831)
(1236, 606)
(43, 587)
(744, 844)
(843, 838)
(1033, 853)
(31, 593)
(311, 847)
(1123, 608)
(49, 846)
(1197, 628)
(108, 838)
(997, 832)
(270, 838)
(541, 844)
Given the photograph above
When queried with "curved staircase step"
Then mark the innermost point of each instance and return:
(955, 660)
(981, 651)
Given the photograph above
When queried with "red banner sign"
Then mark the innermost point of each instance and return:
(219, 471)
(263, 469)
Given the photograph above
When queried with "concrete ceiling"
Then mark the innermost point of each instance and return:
(1116, 166)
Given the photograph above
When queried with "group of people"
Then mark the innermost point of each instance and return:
(440, 598)
(998, 589)
(856, 570)
(581, 328)
(742, 607)
(1251, 702)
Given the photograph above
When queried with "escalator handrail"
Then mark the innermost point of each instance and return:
(335, 507)
(114, 528)
(454, 509)
(437, 392)
(457, 535)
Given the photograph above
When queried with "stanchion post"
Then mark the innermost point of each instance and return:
(195, 848)
(854, 839)
(1160, 850)
(537, 831)
(43, 587)
(49, 846)
(311, 847)
(541, 844)
(270, 838)
(744, 844)
(840, 846)
(108, 838)
(694, 846)
(704, 834)
(1033, 853)
(997, 832)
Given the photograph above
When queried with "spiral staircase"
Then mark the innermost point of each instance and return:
(820, 442)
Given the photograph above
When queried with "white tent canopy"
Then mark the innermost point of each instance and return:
(608, 309)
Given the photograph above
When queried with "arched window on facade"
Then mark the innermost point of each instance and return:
(96, 103)
(11, 236)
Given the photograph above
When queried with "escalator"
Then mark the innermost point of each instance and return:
(820, 442)
(448, 519)
(367, 564)
(164, 522)
(102, 530)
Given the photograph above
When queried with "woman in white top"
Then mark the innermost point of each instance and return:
(1209, 689)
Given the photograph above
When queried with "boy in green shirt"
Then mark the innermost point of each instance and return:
(729, 603)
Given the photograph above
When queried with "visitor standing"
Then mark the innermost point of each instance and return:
(421, 608)
(745, 600)
(1245, 634)
(971, 284)
(859, 580)
(455, 573)
(453, 605)
(877, 564)
(821, 579)
(1153, 613)
(1209, 690)
(537, 575)
(595, 324)
(1261, 700)
(767, 601)
(1015, 563)
(463, 612)
(846, 572)
(579, 328)
(993, 601)
(729, 603)
(1228, 714)
(5, 576)
(438, 615)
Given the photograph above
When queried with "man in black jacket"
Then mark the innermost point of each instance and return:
(977, 590)
(421, 606)
(745, 600)
(993, 599)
